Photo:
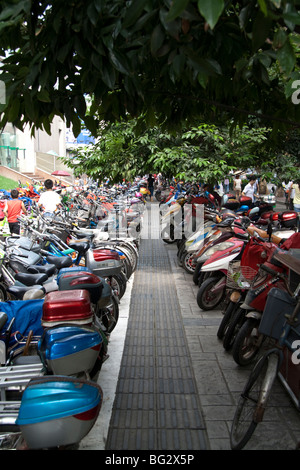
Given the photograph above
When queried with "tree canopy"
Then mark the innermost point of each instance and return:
(203, 153)
(173, 62)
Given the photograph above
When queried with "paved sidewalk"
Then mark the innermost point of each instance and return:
(177, 387)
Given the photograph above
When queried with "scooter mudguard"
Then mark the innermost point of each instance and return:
(58, 411)
(254, 314)
(69, 350)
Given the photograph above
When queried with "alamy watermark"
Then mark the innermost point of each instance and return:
(296, 94)
(174, 223)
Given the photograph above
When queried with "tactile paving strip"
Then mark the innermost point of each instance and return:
(156, 405)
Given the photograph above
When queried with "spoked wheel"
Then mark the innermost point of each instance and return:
(247, 342)
(253, 400)
(208, 298)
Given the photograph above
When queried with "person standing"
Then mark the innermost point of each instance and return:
(226, 184)
(237, 186)
(289, 196)
(296, 187)
(49, 200)
(150, 185)
(249, 189)
(13, 209)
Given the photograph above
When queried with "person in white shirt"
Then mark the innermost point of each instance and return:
(49, 200)
(249, 190)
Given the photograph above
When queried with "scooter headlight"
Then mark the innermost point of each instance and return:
(213, 249)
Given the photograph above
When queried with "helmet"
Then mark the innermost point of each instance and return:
(139, 195)
(144, 190)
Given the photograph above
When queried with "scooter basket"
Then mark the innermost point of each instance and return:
(58, 411)
(278, 306)
(239, 277)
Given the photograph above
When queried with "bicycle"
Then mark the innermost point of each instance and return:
(279, 322)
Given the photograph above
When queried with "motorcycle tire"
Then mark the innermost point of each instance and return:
(197, 273)
(227, 317)
(233, 328)
(168, 235)
(179, 255)
(109, 316)
(3, 293)
(247, 343)
(206, 300)
(187, 259)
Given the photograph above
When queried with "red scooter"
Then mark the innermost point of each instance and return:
(248, 340)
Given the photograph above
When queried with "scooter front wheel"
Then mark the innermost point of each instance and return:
(228, 315)
(247, 342)
(207, 297)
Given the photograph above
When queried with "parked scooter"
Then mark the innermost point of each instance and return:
(281, 323)
(248, 340)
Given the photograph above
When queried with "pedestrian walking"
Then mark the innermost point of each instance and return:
(150, 185)
(13, 209)
(226, 184)
(237, 186)
(290, 194)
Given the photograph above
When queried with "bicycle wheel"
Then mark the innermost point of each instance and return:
(253, 400)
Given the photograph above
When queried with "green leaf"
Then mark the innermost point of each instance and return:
(108, 76)
(211, 10)
(157, 39)
(14, 110)
(177, 7)
(43, 96)
(261, 28)
(133, 12)
(286, 57)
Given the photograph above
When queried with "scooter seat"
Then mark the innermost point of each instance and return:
(60, 261)
(48, 269)
(29, 279)
(19, 291)
(80, 246)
